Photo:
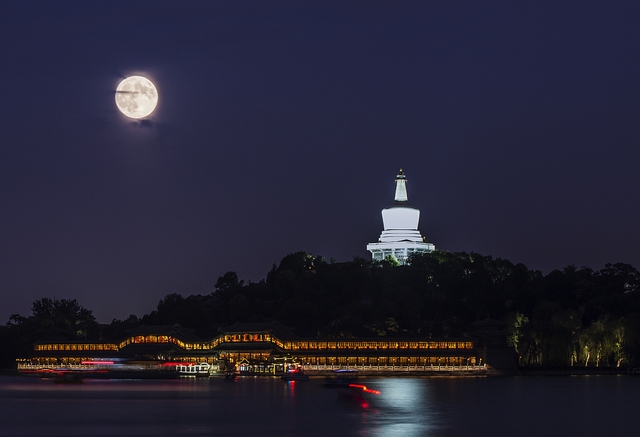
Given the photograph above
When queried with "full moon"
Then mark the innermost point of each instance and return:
(136, 97)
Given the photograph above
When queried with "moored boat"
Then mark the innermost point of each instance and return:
(192, 369)
(295, 377)
(295, 373)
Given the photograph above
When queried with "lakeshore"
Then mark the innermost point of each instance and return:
(435, 372)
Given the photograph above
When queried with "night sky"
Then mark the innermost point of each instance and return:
(281, 127)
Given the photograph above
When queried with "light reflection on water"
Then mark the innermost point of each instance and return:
(439, 407)
(404, 409)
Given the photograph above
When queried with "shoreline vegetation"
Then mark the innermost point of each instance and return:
(569, 319)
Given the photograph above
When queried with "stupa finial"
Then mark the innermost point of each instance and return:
(401, 188)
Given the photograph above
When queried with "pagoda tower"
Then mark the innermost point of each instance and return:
(400, 237)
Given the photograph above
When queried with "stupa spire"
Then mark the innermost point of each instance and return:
(401, 188)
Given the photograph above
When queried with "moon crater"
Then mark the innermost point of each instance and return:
(136, 97)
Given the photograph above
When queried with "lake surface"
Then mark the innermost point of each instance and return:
(261, 406)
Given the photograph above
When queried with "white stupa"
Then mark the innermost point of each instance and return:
(400, 237)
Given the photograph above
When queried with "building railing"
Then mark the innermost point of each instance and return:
(34, 367)
(425, 368)
(320, 367)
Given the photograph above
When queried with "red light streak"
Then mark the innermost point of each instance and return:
(364, 389)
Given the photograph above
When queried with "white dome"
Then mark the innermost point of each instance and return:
(400, 217)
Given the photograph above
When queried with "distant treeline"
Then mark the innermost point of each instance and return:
(573, 316)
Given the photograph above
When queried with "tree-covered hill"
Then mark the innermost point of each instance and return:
(573, 316)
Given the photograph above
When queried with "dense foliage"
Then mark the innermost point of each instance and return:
(568, 317)
(62, 319)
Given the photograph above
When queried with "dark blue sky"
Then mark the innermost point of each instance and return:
(281, 127)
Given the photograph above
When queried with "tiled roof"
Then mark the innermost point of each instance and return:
(278, 330)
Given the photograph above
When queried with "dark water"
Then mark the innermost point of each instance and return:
(515, 406)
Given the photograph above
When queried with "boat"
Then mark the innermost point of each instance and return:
(103, 369)
(68, 378)
(295, 374)
(357, 393)
(231, 376)
(299, 376)
(341, 378)
(192, 369)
